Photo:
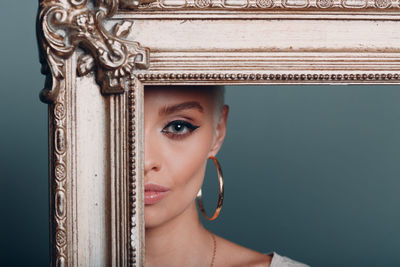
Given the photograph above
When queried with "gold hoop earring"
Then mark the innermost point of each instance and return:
(220, 194)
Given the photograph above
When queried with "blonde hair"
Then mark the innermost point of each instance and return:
(219, 101)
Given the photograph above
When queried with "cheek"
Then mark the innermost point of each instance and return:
(185, 163)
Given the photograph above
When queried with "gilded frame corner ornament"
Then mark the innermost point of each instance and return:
(65, 25)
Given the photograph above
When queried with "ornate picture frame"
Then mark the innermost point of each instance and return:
(98, 55)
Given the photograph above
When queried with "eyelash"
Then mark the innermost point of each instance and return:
(190, 128)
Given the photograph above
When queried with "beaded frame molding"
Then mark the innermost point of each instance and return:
(98, 55)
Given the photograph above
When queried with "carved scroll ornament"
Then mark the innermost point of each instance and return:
(66, 24)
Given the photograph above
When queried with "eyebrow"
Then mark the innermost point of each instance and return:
(182, 106)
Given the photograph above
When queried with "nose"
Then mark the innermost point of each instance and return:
(152, 161)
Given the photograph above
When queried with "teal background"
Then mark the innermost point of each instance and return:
(24, 234)
(311, 172)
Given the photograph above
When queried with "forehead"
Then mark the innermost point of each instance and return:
(165, 95)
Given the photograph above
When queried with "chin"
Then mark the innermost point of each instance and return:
(153, 217)
(151, 223)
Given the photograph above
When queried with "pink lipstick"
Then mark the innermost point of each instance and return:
(153, 193)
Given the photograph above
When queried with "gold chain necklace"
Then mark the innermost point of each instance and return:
(215, 250)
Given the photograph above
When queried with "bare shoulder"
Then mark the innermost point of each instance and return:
(232, 255)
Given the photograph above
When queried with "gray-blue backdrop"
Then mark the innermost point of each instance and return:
(311, 172)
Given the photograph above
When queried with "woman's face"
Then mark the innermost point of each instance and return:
(180, 134)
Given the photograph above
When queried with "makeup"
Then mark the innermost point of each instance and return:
(178, 129)
(153, 193)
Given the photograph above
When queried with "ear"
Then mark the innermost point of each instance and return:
(220, 132)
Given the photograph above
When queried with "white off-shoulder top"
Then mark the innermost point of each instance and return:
(281, 261)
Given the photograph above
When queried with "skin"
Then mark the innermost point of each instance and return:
(178, 143)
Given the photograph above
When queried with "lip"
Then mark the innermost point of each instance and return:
(153, 193)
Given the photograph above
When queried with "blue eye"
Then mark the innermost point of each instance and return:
(179, 127)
